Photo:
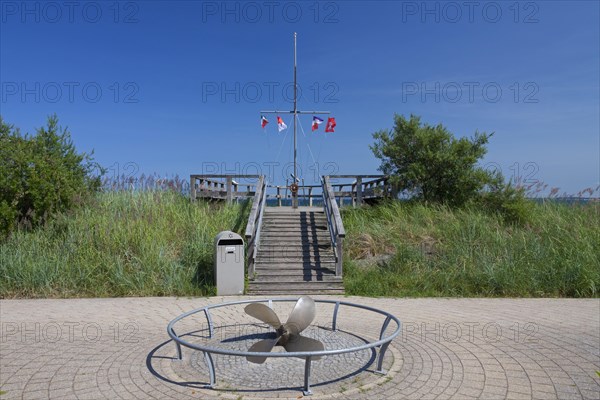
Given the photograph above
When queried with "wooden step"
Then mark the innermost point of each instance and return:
(271, 245)
(308, 219)
(291, 292)
(295, 216)
(294, 272)
(268, 264)
(283, 271)
(299, 234)
(307, 241)
(273, 211)
(295, 285)
(293, 227)
(295, 268)
(296, 239)
(274, 231)
(294, 248)
(336, 282)
(259, 278)
(277, 256)
(276, 234)
(296, 260)
(295, 220)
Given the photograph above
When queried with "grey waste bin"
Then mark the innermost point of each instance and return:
(229, 263)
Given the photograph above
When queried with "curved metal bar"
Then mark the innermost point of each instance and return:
(177, 346)
(307, 391)
(335, 313)
(384, 327)
(303, 354)
(380, 358)
(211, 370)
(210, 323)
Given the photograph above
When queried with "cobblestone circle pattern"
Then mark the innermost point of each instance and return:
(448, 349)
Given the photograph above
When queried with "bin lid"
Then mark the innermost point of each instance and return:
(228, 238)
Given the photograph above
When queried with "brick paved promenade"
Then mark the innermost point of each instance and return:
(448, 348)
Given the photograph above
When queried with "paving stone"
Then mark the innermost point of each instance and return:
(118, 348)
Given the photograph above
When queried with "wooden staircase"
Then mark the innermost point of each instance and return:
(295, 254)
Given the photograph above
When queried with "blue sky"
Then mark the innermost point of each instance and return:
(176, 87)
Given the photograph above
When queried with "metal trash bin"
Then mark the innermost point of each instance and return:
(229, 264)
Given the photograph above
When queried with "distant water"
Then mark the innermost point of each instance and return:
(347, 202)
(567, 200)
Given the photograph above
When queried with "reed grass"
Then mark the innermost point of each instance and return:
(409, 249)
(156, 243)
(146, 243)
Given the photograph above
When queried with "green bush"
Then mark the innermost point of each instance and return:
(40, 175)
(507, 200)
(429, 164)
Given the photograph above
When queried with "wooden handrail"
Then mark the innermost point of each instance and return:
(211, 187)
(223, 187)
(335, 225)
(254, 210)
(254, 224)
(335, 211)
(361, 188)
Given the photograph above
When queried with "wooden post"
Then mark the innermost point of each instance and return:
(229, 188)
(310, 196)
(394, 190)
(340, 254)
(278, 196)
(359, 193)
(192, 188)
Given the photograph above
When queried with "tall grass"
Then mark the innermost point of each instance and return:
(155, 243)
(147, 243)
(435, 251)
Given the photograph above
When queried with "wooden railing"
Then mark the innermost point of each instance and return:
(283, 192)
(360, 189)
(221, 187)
(357, 189)
(255, 223)
(335, 224)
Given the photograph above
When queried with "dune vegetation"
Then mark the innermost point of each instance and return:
(157, 243)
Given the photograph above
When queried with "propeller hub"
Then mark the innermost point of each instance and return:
(281, 331)
(283, 336)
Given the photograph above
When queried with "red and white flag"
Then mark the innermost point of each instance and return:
(280, 124)
(330, 127)
(263, 121)
(316, 122)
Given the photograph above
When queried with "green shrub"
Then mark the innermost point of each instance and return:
(428, 163)
(508, 201)
(40, 175)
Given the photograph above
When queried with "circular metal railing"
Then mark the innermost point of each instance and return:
(383, 342)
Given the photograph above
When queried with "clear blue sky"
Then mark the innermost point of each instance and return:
(172, 86)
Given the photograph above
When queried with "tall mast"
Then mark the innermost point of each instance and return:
(295, 111)
(295, 194)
